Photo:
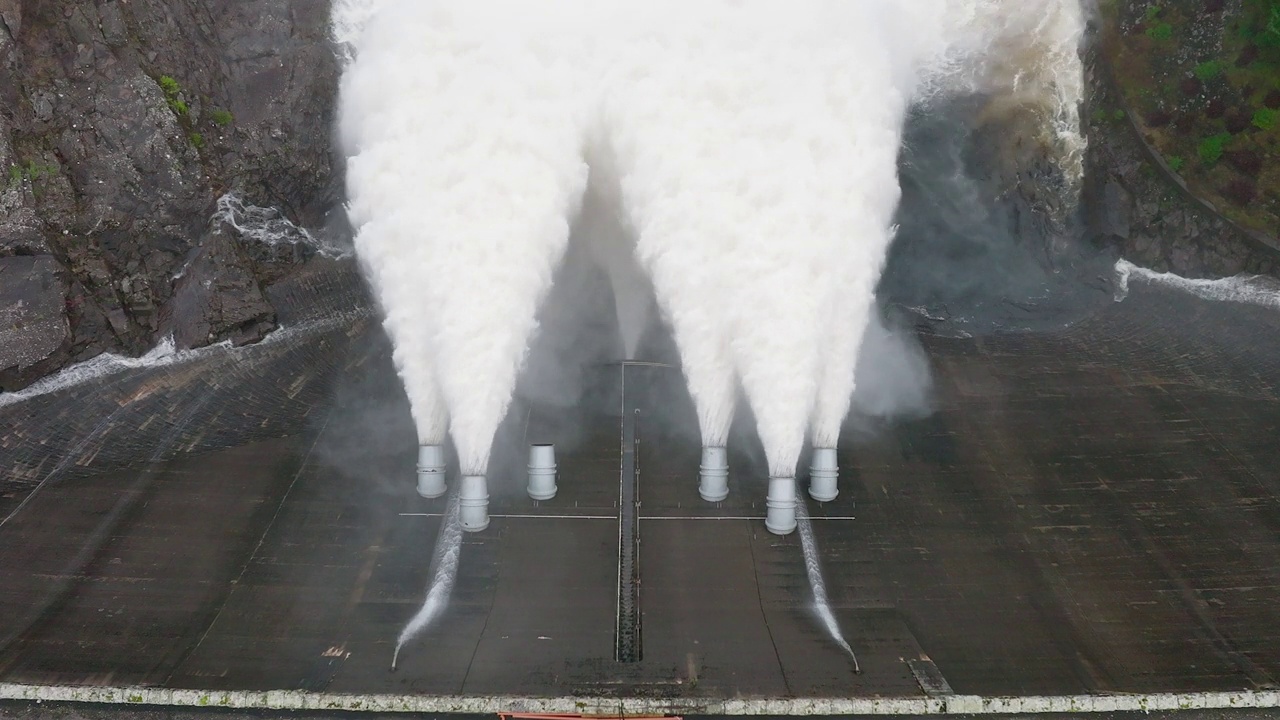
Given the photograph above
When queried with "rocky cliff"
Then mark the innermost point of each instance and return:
(1157, 210)
(122, 123)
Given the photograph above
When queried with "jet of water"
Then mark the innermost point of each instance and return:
(443, 575)
(819, 586)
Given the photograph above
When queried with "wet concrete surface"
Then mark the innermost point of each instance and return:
(1090, 510)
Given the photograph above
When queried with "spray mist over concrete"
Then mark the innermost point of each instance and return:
(748, 149)
(612, 248)
(894, 377)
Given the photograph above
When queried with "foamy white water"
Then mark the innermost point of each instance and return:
(270, 227)
(813, 568)
(1247, 289)
(166, 354)
(750, 149)
(1020, 54)
(443, 575)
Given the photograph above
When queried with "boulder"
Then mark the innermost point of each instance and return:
(1117, 206)
(11, 17)
(34, 332)
(216, 297)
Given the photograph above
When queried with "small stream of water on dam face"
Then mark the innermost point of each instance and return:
(1247, 289)
(813, 568)
(444, 574)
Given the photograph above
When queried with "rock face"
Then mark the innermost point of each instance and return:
(1135, 204)
(217, 294)
(121, 123)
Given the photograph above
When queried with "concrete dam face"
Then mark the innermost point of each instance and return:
(737, 358)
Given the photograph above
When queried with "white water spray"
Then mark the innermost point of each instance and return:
(348, 21)
(444, 573)
(745, 159)
(1021, 54)
(464, 172)
(1248, 289)
(813, 568)
(750, 149)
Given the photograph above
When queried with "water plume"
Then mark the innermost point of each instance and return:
(463, 175)
(758, 167)
(749, 149)
(348, 20)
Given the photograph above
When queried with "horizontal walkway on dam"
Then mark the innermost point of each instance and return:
(1091, 511)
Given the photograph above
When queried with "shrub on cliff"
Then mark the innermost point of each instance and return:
(1210, 149)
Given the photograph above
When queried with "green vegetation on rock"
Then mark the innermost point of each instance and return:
(1210, 149)
(1200, 80)
(30, 172)
(1161, 31)
(173, 95)
(1270, 33)
(1208, 70)
(221, 118)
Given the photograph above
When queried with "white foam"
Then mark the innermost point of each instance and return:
(104, 365)
(465, 170)
(165, 354)
(270, 227)
(1248, 289)
(1021, 53)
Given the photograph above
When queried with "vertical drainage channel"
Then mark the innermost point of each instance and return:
(627, 644)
